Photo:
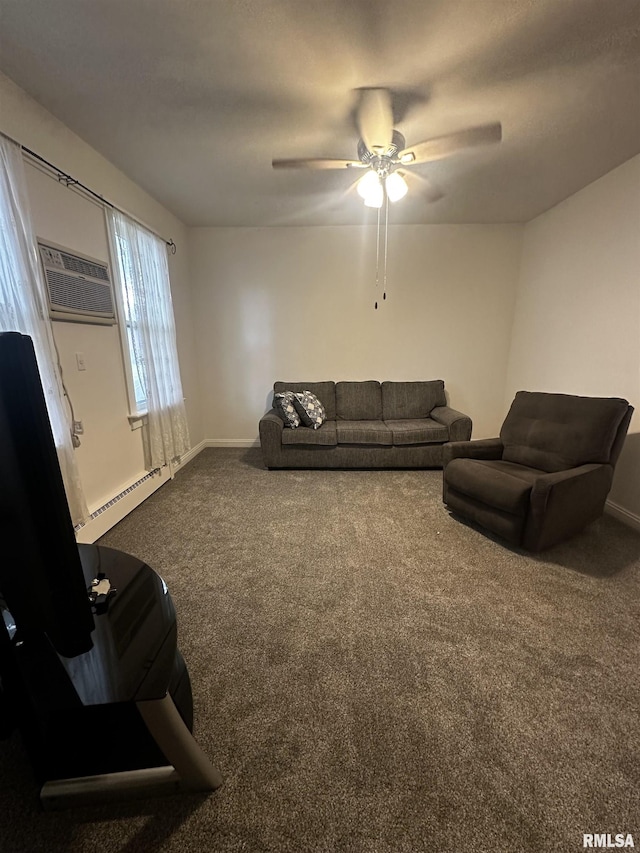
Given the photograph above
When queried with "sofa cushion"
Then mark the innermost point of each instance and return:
(324, 391)
(402, 400)
(554, 432)
(310, 409)
(363, 432)
(324, 435)
(418, 431)
(358, 401)
(283, 403)
(499, 484)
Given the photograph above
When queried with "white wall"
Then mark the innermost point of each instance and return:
(110, 457)
(577, 321)
(297, 303)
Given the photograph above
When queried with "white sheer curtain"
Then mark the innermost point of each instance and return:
(143, 274)
(23, 309)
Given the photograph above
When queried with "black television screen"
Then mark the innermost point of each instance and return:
(41, 577)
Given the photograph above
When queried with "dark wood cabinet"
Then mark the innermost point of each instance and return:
(117, 719)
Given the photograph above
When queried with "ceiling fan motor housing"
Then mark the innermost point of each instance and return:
(384, 158)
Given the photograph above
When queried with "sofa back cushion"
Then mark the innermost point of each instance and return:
(402, 400)
(358, 401)
(554, 432)
(324, 391)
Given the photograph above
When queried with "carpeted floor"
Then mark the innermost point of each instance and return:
(372, 675)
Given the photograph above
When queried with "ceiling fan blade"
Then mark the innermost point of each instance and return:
(310, 163)
(375, 119)
(430, 191)
(451, 143)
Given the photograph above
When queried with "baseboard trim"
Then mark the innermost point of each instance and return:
(232, 442)
(191, 454)
(623, 515)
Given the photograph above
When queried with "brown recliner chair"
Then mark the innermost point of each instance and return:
(549, 473)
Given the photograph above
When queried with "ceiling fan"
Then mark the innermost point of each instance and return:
(383, 153)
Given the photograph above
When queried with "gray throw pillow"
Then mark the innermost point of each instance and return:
(284, 404)
(310, 409)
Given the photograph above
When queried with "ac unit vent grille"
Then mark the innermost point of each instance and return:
(83, 267)
(67, 291)
(79, 288)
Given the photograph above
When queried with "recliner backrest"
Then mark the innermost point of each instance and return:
(554, 432)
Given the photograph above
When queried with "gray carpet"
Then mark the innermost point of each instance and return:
(372, 675)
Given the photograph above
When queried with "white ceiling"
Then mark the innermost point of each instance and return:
(193, 98)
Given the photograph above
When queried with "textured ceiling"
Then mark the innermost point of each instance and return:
(193, 98)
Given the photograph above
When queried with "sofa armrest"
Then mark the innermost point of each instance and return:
(272, 424)
(484, 448)
(564, 502)
(270, 430)
(458, 423)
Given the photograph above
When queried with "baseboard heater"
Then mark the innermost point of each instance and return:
(117, 498)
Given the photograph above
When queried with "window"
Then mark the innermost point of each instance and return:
(148, 337)
(130, 330)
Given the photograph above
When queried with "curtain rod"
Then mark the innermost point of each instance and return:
(65, 178)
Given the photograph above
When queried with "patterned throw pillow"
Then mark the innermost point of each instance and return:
(310, 409)
(283, 403)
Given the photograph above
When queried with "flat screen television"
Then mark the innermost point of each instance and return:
(41, 578)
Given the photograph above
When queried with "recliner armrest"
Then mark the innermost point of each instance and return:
(546, 482)
(459, 424)
(563, 502)
(484, 448)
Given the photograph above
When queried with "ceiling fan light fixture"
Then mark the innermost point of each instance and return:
(396, 187)
(370, 189)
(375, 199)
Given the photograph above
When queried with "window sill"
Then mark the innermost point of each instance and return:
(137, 421)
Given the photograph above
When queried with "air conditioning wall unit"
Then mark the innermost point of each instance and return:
(79, 288)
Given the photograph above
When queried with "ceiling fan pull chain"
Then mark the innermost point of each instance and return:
(386, 242)
(377, 258)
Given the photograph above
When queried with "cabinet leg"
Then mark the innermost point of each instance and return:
(191, 770)
(57, 794)
(167, 728)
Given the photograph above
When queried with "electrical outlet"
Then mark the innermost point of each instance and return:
(80, 361)
(78, 427)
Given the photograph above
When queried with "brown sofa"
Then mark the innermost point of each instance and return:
(369, 425)
(548, 474)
